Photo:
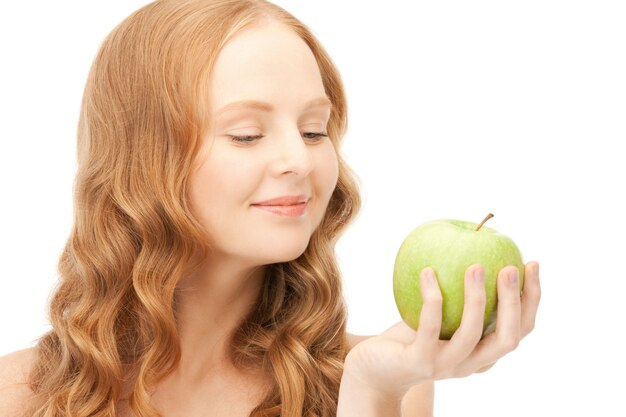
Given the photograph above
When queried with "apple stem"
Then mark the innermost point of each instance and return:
(483, 222)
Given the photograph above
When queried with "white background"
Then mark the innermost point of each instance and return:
(456, 109)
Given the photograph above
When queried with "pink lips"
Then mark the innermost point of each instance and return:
(288, 206)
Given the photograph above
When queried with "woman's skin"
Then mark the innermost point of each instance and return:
(271, 64)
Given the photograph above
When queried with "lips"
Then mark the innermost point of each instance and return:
(286, 206)
(287, 200)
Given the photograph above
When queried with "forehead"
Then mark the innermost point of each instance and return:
(268, 63)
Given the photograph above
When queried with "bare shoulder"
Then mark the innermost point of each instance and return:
(14, 391)
(419, 400)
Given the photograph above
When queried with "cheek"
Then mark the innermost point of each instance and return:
(328, 170)
(221, 183)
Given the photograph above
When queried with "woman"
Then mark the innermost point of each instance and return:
(200, 275)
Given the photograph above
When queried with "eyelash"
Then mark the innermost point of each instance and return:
(247, 139)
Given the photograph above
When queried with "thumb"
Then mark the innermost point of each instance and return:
(400, 332)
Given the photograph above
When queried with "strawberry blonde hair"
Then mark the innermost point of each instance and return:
(142, 123)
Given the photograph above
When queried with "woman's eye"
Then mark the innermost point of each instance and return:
(245, 138)
(316, 135)
(312, 135)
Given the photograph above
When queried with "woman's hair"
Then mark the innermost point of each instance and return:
(142, 122)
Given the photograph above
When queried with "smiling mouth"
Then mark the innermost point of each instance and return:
(292, 210)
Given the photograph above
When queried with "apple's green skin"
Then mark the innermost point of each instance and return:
(449, 247)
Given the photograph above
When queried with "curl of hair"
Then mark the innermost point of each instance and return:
(141, 126)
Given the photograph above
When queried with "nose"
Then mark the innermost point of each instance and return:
(293, 155)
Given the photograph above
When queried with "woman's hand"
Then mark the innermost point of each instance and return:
(401, 357)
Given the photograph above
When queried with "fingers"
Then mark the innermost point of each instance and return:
(508, 333)
(470, 330)
(429, 327)
(530, 297)
(509, 309)
(515, 319)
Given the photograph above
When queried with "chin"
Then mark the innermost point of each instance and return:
(284, 253)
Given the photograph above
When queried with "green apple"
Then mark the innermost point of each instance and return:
(449, 247)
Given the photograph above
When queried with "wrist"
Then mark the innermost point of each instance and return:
(359, 398)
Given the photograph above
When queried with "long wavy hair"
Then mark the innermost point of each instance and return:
(142, 122)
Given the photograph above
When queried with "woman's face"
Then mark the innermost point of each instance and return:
(269, 64)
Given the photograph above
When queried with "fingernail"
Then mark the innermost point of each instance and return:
(479, 276)
(513, 277)
(536, 269)
(430, 276)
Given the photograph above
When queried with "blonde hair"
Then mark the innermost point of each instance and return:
(141, 126)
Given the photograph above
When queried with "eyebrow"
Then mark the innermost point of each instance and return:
(267, 107)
